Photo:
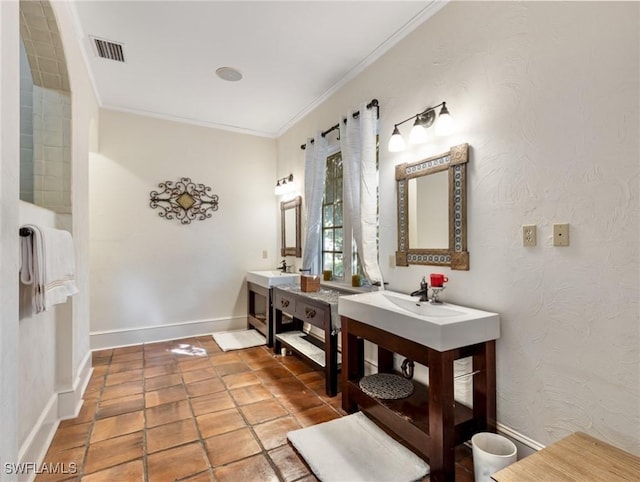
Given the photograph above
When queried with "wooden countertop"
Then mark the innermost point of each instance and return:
(578, 457)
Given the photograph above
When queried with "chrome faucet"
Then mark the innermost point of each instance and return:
(423, 292)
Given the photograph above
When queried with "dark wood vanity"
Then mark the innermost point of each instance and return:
(291, 309)
(259, 310)
(430, 421)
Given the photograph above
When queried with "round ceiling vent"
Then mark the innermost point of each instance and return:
(229, 73)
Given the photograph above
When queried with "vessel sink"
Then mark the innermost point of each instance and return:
(272, 277)
(441, 327)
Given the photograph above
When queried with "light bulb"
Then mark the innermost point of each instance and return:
(418, 133)
(396, 143)
(444, 124)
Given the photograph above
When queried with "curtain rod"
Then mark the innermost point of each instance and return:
(373, 103)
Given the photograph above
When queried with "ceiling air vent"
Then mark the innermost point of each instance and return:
(108, 50)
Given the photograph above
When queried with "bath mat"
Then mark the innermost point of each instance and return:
(237, 340)
(353, 448)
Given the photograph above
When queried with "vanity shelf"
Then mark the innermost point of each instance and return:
(316, 309)
(429, 421)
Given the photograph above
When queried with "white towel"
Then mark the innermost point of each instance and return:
(48, 263)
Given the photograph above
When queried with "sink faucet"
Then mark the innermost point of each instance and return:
(283, 266)
(423, 292)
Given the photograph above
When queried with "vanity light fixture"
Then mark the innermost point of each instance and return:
(285, 185)
(423, 120)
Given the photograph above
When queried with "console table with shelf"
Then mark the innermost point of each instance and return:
(291, 309)
(430, 421)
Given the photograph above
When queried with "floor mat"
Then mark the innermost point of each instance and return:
(236, 340)
(353, 448)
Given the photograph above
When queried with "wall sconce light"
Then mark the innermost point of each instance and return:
(423, 120)
(285, 185)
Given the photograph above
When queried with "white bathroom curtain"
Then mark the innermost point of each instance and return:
(358, 144)
(314, 177)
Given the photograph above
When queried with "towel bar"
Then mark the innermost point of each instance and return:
(24, 232)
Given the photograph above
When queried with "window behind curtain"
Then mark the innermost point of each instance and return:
(332, 219)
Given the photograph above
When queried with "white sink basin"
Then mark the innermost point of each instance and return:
(272, 277)
(441, 327)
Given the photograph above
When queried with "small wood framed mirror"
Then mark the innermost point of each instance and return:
(290, 227)
(432, 210)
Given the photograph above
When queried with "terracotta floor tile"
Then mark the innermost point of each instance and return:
(284, 386)
(167, 413)
(274, 433)
(296, 365)
(316, 415)
(259, 363)
(127, 349)
(255, 468)
(162, 381)
(166, 359)
(70, 437)
(119, 425)
(231, 446)
(125, 366)
(199, 375)
(125, 357)
(97, 360)
(87, 412)
(159, 370)
(70, 463)
(240, 380)
(99, 370)
(205, 387)
(263, 411)
(171, 435)
(131, 472)
(123, 377)
(231, 368)
(114, 451)
(107, 352)
(197, 364)
(250, 394)
(299, 401)
(311, 377)
(217, 423)
(177, 463)
(118, 406)
(165, 395)
(274, 372)
(222, 358)
(289, 463)
(122, 390)
(212, 403)
(202, 477)
(255, 353)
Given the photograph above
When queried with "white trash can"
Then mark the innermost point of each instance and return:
(491, 452)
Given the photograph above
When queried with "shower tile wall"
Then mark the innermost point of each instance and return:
(51, 152)
(26, 128)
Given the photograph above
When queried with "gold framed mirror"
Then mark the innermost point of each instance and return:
(290, 228)
(432, 210)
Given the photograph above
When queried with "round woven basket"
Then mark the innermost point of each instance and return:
(386, 386)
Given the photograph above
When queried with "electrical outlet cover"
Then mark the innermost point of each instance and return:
(561, 234)
(529, 235)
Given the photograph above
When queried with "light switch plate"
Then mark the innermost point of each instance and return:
(561, 234)
(529, 235)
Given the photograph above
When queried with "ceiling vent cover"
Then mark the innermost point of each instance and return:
(108, 50)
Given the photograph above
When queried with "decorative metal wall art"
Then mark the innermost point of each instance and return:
(184, 200)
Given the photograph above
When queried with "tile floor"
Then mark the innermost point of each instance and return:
(185, 410)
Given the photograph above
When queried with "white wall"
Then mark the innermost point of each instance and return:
(71, 343)
(154, 278)
(9, 182)
(547, 96)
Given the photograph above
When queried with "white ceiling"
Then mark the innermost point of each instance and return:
(292, 54)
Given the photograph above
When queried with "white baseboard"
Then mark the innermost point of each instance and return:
(70, 399)
(35, 447)
(173, 331)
